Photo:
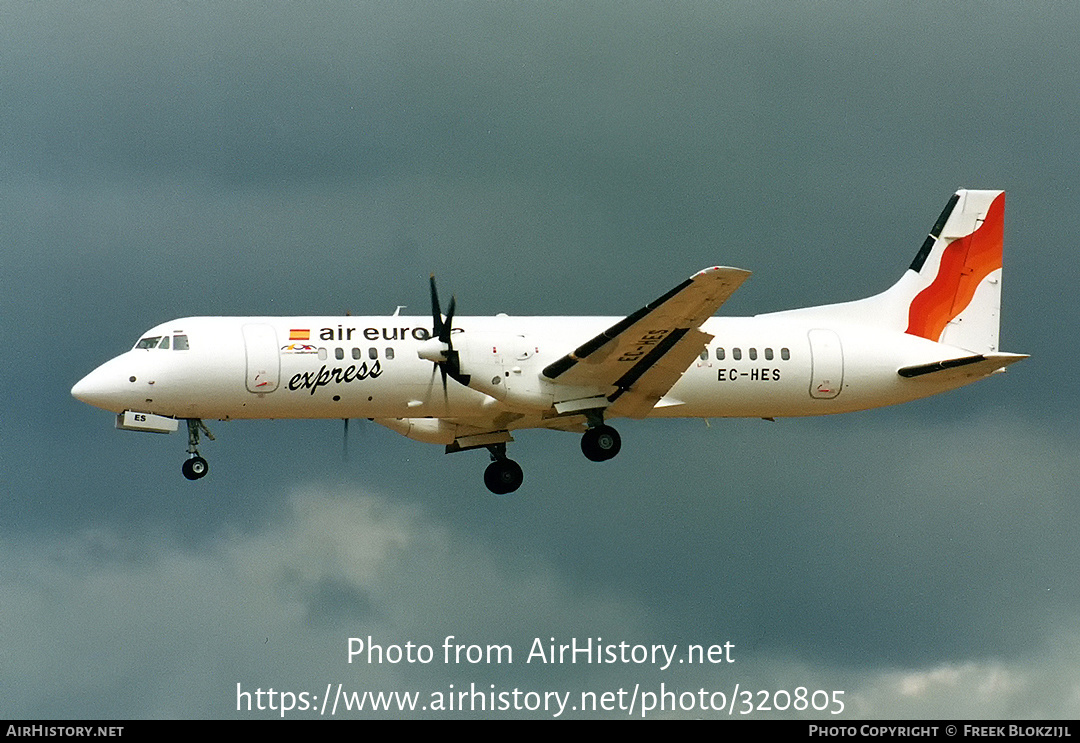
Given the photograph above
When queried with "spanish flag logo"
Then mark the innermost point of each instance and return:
(299, 335)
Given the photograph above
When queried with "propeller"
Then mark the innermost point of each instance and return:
(345, 443)
(439, 349)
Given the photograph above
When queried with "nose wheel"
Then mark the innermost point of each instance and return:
(195, 466)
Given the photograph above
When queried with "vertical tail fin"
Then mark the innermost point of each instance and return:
(952, 292)
(957, 297)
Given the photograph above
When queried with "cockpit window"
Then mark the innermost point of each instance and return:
(178, 342)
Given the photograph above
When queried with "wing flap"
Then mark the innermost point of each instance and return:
(642, 387)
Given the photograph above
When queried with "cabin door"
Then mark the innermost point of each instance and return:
(263, 358)
(827, 364)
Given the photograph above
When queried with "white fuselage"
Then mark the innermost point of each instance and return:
(368, 367)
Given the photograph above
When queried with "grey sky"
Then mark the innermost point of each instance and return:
(166, 159)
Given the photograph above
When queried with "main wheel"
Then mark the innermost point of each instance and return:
(195, 468)
(601, 443)
(503, 476)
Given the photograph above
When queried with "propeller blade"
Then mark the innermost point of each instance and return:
(448, 324)
(442, 328)
(437, 366)
(436, 310)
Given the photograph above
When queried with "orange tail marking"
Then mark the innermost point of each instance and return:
(964, 264)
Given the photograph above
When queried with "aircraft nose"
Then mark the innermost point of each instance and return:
(85, 389)
(100, 388)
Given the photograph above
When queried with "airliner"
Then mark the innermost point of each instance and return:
(471, 382)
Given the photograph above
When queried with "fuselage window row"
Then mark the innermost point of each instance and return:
(752, 353)
(357, 353)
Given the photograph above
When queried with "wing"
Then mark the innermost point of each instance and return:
(638, 359)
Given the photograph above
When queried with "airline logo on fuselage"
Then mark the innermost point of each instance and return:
(342, 333)
(325, 376)
(312, 381)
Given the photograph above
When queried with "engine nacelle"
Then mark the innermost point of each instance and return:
(506, 367)
(428, 430)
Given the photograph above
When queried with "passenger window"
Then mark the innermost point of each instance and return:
(705, 355)
(339, 353)
(356, 353)
(373, 353)
(785, 354)
(753, 354)
(719, 354)
(322, 354)
(180, 343)
(736, 353)
(768, 354)
(148, 342)
(389, 353)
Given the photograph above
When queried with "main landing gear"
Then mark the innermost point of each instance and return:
(599, 443)
(195, 466)
(503, 475)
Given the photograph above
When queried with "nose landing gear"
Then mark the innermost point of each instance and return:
(195, 466)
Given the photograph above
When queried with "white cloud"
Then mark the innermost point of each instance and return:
(1043, 686)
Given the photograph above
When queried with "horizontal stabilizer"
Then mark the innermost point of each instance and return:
(972, 367)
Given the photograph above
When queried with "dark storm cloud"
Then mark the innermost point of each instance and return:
(177, 158)
(587, 135)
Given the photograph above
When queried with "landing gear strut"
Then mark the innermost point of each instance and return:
(601, 443)
(503, 475)
(195, 466)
